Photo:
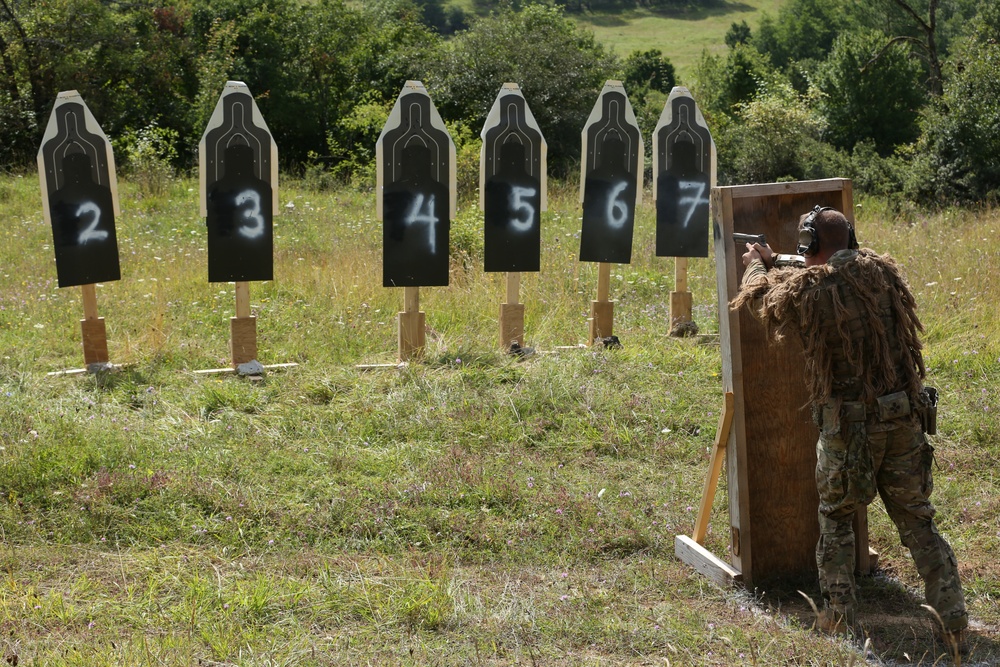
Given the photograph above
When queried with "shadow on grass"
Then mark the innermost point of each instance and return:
(890, 615)
(612, 19)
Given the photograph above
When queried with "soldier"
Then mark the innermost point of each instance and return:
(854, 314)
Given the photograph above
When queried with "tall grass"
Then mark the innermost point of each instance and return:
(469, 509)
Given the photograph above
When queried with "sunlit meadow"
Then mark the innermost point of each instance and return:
(470, 509)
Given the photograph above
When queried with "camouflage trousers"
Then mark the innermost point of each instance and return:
(854, 460)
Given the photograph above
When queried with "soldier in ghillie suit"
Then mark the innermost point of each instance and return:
(855, 316)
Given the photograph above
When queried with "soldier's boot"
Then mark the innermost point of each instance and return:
(956, 642)
(835, 620)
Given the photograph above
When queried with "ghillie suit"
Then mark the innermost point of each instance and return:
(856, 318)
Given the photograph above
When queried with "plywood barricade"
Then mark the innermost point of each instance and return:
(770, 455)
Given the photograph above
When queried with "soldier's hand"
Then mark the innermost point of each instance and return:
(761, 252)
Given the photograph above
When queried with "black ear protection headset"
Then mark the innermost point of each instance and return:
(809, 239)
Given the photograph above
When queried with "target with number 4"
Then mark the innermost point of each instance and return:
(415, 159)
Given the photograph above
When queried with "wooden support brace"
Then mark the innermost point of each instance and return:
(691, 549)
(243, 328)
(602, 317)
(243, 344)
(411, 325)
(711, 483)
(680, 298)
(511, 324)
(602, 311)
(95, 341)
(94, 332)
(512, 313)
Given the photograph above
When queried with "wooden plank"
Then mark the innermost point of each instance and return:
(411, 335)
(602, 317)
(88, 294)
(705, 562)
(513, 287)
(732, 376)
(242, 299)
(95, 341)
(680, 309)
(711, 482)
(789, 188)
(243, 343)
(229, 370)
(603, 281)
(511, 324)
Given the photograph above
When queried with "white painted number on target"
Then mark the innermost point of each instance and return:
(91, 233)
(519, 202)
(693, 200)
(418, 214)
(617, 211)
(252, 214)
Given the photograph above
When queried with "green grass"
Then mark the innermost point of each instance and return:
(471, 509)
(682, 37)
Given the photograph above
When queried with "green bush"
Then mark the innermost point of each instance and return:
(148, 157)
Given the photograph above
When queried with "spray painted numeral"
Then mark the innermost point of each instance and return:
(617, 211)
(252, 214)
(91, 233)
(693, 200)
(418, 214)
(518, 202)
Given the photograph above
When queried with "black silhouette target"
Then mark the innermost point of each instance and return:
(237, 153)
(79, 191)
(513, 183)
(416, 162)
(683, 179)
(611, 180)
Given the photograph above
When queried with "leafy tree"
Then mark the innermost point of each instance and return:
(722, 83)
(738, 33)
(648, 70)
(773, 138)
(559, 67)
(803, 30)
(960, 146)
(868, 98)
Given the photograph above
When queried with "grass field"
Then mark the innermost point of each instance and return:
(680, 36)
(469, 510)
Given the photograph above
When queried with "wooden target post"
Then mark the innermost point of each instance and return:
(684, 172)
(513, 185)
(770, 446)
(610, 191)
(79, 187)
(238, 173)
(415, 200)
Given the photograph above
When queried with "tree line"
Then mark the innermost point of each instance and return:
(898, 94)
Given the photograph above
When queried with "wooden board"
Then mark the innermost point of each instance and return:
(771, 455)
(243, 344)
(705, 562)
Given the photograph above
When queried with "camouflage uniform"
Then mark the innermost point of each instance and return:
(855, 316)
